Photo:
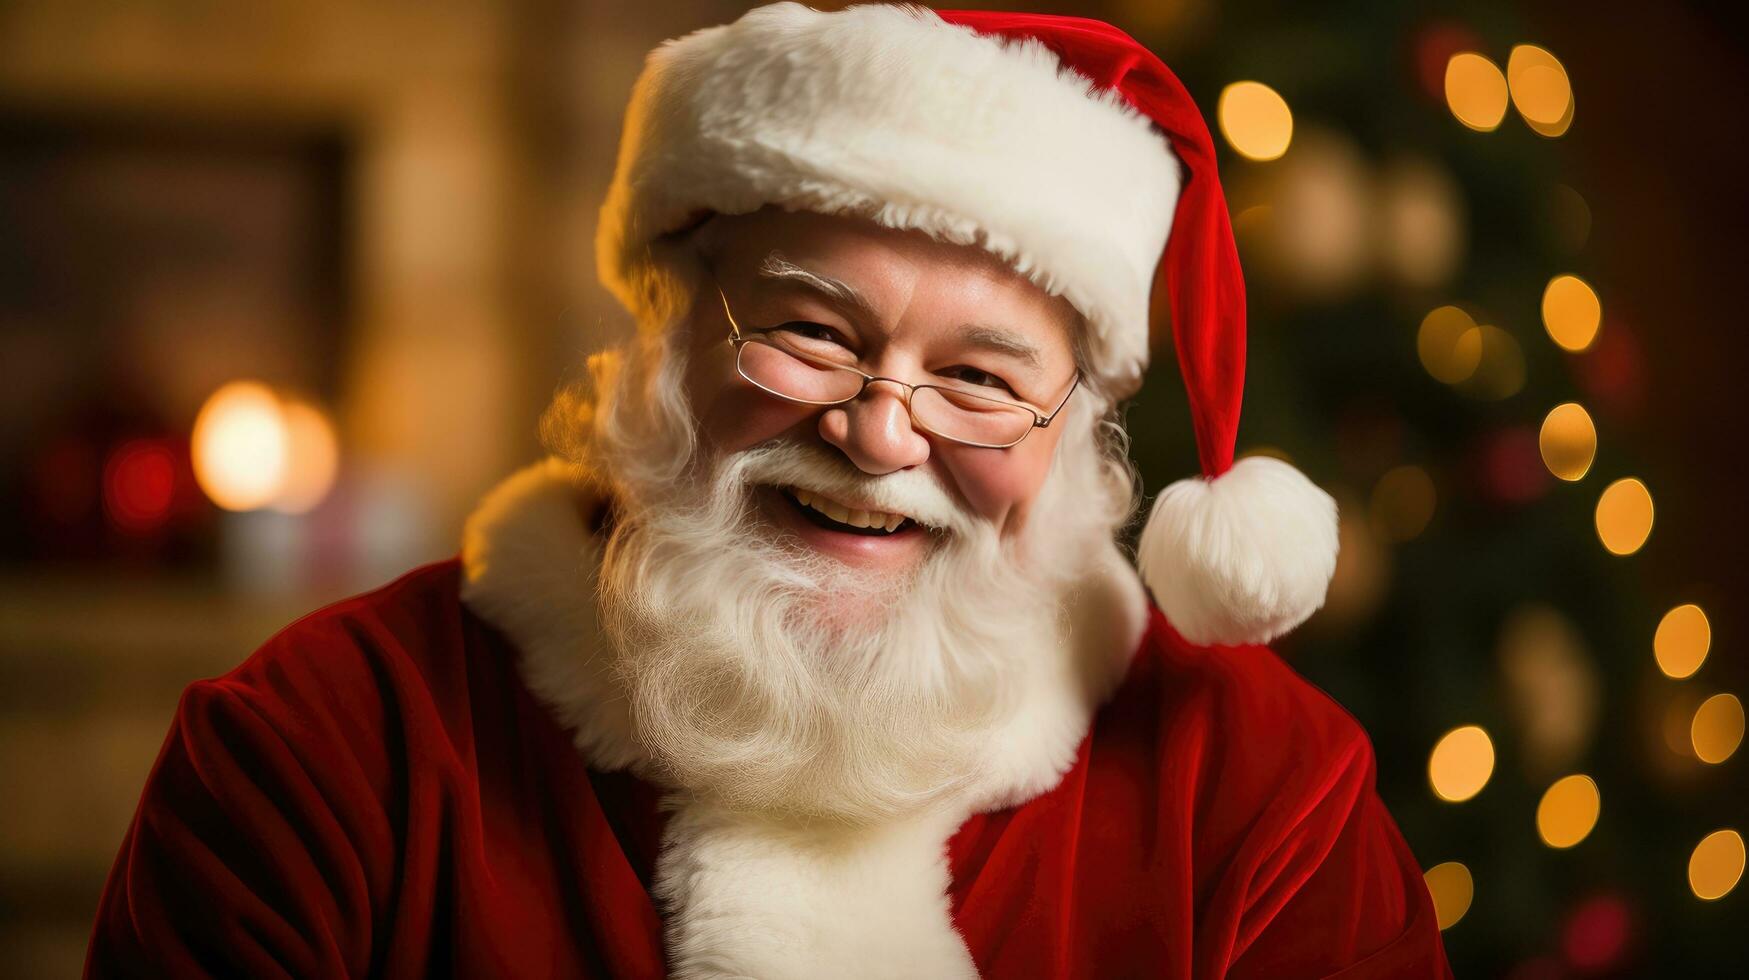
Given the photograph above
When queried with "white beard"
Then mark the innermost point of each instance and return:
(821, 729)
(768, 677)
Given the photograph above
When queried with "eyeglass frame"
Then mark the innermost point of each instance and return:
(738, 340)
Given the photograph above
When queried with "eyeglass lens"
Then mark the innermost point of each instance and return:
(951, 414)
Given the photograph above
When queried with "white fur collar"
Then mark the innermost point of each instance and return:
(744, 895)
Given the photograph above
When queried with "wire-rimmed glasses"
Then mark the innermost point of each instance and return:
(778, 362)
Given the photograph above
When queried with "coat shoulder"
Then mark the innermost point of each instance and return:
(1239, 717)
(287, 799)
(1242, 693)
(374, 660)
(1272, 785)
(414, 617)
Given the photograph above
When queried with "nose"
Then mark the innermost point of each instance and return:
(875, 431)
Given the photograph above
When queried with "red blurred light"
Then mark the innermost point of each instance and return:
(1613, 372)
(1511, 467)
(1596, 935)
(139, 484)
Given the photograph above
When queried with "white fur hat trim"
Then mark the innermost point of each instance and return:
(891, 113)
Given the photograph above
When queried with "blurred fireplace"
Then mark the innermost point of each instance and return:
(143, 264)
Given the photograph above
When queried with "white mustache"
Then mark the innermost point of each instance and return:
(910, 492)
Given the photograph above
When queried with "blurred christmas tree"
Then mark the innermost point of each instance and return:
(1431, 341)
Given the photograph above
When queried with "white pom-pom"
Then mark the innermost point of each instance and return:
(1242, 558)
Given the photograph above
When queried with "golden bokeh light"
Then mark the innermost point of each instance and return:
(1476, 91)
(1717, 729)
(1403, 503)
(1624, 516)
(1684, 636)
(1461, 763)
(1449, 345)
(1452, 889)
(1321, 236)
(1552, 687)
(313, 455)
(1421, 222)
(1572, 313)
(240, 446)
(1568, 441)
(1716, 864)
(1255, 120)
(1568, 811)
(1500, 370)
(254, 449)
(1541, 91)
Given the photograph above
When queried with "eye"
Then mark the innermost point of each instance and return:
(974, 376)
(806, 335)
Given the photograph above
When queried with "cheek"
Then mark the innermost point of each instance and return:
(733, 415)
(1000, 485)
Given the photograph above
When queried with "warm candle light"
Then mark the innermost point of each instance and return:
(239, 446)
(254, 449)
(314, 461)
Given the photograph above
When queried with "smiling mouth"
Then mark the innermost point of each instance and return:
(827, 513)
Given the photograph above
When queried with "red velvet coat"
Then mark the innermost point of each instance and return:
(376, 792)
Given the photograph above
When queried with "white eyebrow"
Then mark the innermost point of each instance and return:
(775, 266)
(1000, 341)
(995, 339)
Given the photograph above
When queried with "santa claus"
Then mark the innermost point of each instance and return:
(811, 652)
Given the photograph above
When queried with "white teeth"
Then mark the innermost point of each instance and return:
(845, 515)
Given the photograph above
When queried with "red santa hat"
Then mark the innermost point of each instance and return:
(1039, 138)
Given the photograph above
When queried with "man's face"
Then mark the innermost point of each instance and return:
(774, 659)
(901, 306)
